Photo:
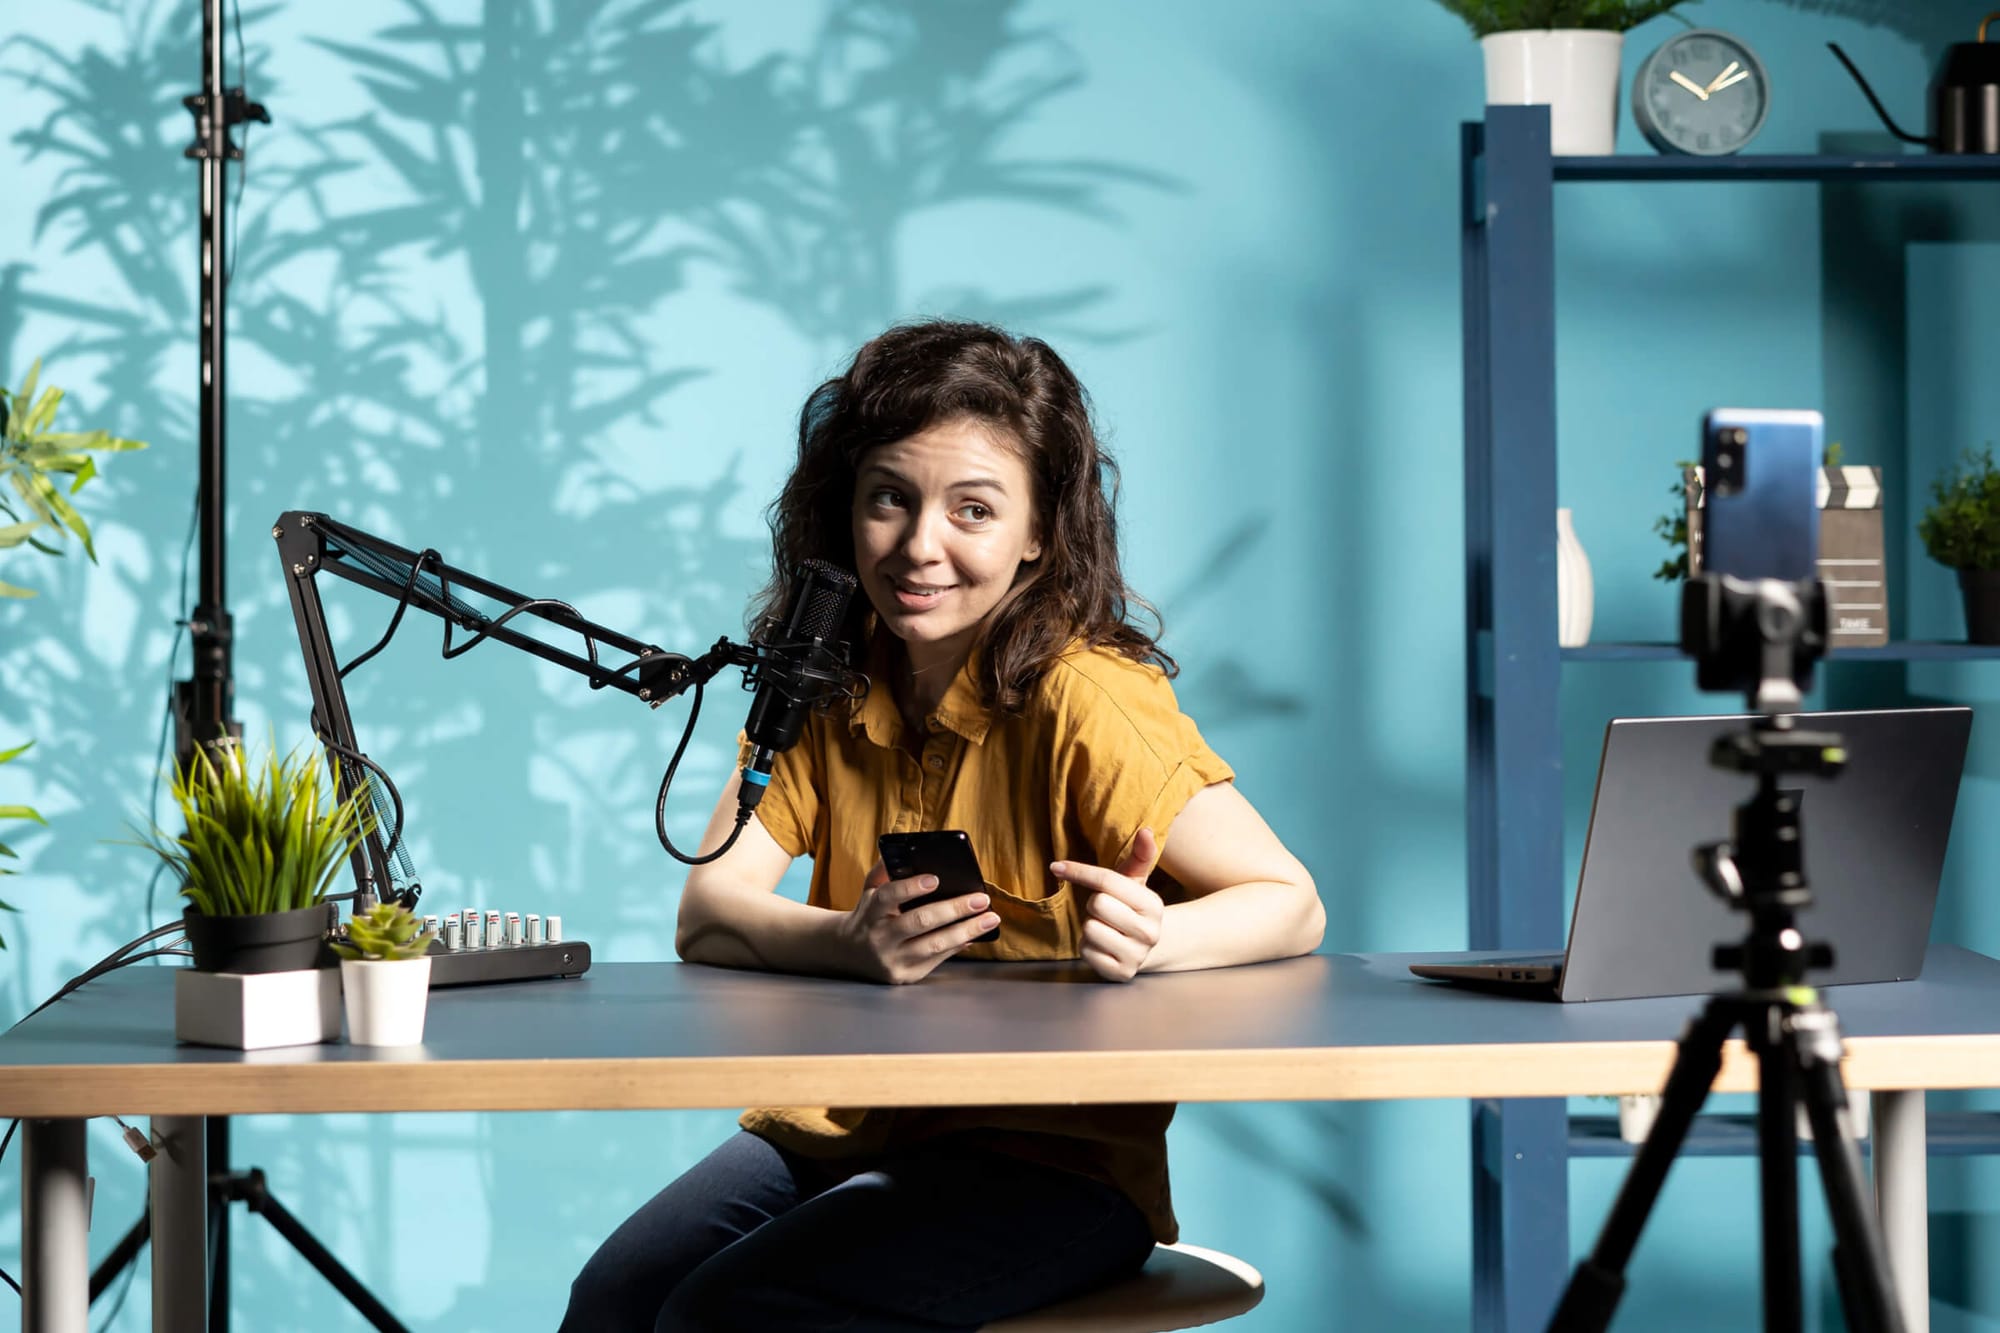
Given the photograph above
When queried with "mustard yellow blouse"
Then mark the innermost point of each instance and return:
(1100, 751)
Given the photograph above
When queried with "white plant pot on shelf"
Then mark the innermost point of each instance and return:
(385, 1001)
(1573, 71)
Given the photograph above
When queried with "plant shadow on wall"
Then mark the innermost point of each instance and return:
(573, 167)
(1932, 24)
(122, 194)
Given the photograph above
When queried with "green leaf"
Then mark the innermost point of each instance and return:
(27, 393)
(43, 414)
(21, 812)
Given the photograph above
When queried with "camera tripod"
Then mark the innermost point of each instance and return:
(1796, 1040)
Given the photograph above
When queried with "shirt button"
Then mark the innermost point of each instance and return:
(936, 761)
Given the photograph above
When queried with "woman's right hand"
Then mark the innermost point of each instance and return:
(889, 944)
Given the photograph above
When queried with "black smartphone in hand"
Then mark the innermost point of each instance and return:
(946, 853)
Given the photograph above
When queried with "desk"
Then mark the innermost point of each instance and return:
(669, 1035)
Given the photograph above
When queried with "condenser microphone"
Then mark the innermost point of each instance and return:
(798, 667)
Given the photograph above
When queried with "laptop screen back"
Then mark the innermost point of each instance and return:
(1874, 839)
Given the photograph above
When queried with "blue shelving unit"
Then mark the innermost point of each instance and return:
(1521, 1149)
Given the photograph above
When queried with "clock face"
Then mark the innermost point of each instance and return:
(1704, 92)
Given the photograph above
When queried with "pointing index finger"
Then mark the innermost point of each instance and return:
(1100, 880)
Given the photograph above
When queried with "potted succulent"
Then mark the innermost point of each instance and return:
(385, 976)
(1961, 531)
(1563, 53)
(260, 846)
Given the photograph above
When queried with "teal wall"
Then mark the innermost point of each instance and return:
(525, 283)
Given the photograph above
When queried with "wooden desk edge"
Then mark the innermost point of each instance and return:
(1357, 1073)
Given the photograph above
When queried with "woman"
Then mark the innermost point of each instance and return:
(954, 468)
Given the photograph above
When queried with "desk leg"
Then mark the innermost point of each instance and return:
(179, 1200)
(1902, 1198)
(55, 1225)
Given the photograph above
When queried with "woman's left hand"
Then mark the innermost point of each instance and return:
(1122, 919)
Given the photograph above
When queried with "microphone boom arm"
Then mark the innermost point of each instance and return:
(310, 544)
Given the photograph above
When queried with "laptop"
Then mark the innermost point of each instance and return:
(1874, 834)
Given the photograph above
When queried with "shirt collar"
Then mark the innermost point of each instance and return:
(876, 716)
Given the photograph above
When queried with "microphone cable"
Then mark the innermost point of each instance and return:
(597, 681)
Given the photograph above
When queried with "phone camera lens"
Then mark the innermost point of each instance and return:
(1737, 436)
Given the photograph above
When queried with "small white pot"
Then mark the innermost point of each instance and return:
(385, 1001)
(1574, 71)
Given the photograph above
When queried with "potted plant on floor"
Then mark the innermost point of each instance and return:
(260, 846)
(1961, 531)
(1563, 53)
(385, 976)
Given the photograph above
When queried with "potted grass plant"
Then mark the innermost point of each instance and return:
(1563, 53)
(259, 847)
(385, 976)
(261, 843)
(1961, 531)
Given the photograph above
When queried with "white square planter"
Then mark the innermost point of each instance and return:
(253, 1011)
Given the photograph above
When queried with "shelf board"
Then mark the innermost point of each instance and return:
(1779, 167)
(1914, 650)
(1952, 1134)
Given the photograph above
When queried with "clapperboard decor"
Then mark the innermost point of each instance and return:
(1850, 551)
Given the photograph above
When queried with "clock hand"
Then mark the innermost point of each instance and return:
(1689, 84)
(1719, 80)
(1740, 75)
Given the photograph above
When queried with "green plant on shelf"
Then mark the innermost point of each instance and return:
(1673, 528)
(1486, 17)
(388, 932)
(1961, 529)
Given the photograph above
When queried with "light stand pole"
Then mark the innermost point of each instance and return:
(203, 704)
(202, 707)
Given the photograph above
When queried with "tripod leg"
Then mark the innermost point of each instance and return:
(123, 1253)
(1594, 1290)
(260, 1200)
(1778, 1171)
(218, 1227)
(1860, 1260)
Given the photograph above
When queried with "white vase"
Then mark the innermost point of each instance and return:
(385, 1001)
(1573, 71)
(1575, 597)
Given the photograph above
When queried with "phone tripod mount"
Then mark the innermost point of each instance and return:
(1761, 637)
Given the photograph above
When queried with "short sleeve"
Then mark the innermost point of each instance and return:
(1128, 758)
(791, 804)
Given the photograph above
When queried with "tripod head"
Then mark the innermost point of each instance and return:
(1760, 870)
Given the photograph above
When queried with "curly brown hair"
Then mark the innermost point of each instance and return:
(916, 375)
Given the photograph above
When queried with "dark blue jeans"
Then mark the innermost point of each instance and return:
(938, 1236)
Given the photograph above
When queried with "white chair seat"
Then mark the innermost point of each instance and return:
(1181, 1286)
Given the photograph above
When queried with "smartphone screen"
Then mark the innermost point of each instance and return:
(946, 853)
(1760, 493)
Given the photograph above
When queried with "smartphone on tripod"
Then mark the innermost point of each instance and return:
(1760, 493)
